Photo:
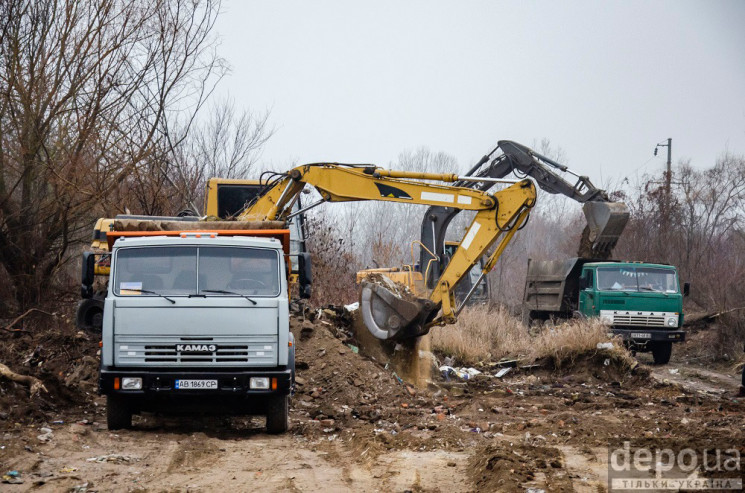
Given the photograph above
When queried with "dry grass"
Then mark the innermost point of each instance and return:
(484, 334)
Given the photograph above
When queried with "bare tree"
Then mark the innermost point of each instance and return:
(89, 92)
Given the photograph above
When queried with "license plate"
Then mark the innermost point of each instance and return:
(641, 335)
(196, 384)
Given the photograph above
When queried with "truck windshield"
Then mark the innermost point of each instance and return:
(197, 270)
(642, 279)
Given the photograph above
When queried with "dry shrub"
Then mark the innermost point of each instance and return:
(484, 333)
(334, 268)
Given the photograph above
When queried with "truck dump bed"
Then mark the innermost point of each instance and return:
(553, 285)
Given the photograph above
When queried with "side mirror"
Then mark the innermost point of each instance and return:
(87, 274)
(686, 288)
(305, 274)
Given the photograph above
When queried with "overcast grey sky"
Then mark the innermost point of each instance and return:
(605, 81)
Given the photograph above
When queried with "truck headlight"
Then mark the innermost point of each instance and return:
(672, 322)
(130, 383)
(259, 383)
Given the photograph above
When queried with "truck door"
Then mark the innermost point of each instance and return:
(586, 292)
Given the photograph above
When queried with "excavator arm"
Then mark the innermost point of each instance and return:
(387, 312)
(606, 219)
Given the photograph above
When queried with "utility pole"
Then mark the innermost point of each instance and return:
(668, 181)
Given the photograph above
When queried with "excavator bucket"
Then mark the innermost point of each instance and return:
(388, 314)
(606, 221)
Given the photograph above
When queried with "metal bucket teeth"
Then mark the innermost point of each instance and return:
(387, 316)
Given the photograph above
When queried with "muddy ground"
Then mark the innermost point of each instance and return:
(355, 426)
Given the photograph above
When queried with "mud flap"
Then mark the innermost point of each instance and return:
(388, 316)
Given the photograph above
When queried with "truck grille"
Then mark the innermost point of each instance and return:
(639, 320)
(133, 350)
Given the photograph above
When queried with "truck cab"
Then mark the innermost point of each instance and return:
(641, 302)
(197, 322)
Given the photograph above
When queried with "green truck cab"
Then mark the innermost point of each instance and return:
(641, 302)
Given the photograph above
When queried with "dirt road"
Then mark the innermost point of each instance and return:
(356, 427)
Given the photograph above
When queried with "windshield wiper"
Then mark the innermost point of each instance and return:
(157, 294)
(222, 291)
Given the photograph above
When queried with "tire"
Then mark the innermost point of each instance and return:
(118, 415)
(661, 352)
(89, 316)
(277, 420)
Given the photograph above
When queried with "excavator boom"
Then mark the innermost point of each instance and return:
(388, 312)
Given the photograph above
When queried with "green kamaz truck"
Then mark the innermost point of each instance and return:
(641, 302)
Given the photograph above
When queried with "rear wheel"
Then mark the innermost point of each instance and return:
(89, 315)
(661, 352)
(277, 420)
(118, 414)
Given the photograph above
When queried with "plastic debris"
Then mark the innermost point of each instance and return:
(400, 380)
(503, 372)
(115, 458)
(605, 345)
(354, 348)
(68, 470)
(462, 373)
(12, 477)
(673, 371)
(352, 307)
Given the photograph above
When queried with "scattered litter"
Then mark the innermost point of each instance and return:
(352, 307)
(503, 372)
(400, 380)
(12, 477)
(80, 488)
(113, 458)
(354, 348)
(606, 362)
(58, 422)
(46, 436)
(534, 490)
(462, 373)
(68, 470)
(673, 371)
(605, 345)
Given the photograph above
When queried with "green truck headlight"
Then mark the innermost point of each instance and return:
(130, 383)
(259, 383)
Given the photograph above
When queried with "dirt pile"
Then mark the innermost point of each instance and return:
(336, 384)
(49, 348)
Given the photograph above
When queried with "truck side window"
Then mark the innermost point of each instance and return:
(587, 280)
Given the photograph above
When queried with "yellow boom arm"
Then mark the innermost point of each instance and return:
(386, 314)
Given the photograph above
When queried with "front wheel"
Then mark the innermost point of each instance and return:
(277, 411)
(118, 414)
(661, 352)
